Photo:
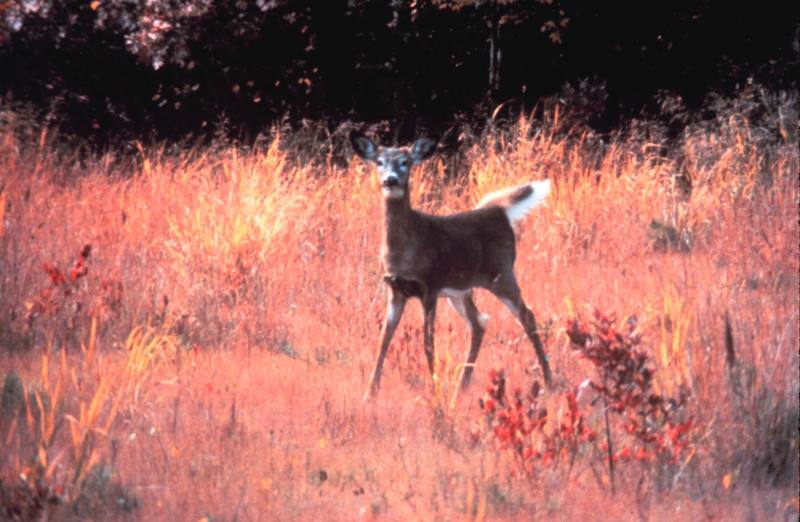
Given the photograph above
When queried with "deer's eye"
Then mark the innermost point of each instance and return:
(403, 164)
(380, 162)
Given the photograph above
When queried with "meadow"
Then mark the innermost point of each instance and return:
(186, 332)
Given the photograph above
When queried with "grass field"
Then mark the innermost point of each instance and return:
(206, 357)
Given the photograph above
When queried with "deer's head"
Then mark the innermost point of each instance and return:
(393, 164)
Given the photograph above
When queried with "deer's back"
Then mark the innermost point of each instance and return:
(470, 249)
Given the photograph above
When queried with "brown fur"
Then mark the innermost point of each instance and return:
(424, 256)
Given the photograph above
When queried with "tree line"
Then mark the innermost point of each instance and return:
(120, 69)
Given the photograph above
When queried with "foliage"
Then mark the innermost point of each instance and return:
(625, 384)
(646, 426)
(518, 423)
(69, 302)
(117, 70)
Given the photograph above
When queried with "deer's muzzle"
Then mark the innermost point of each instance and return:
(391, 181)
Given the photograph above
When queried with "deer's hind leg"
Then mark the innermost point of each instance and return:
(505, 287)
(464, 304)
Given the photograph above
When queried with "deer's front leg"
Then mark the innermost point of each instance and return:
(394, 311)
(429, 309)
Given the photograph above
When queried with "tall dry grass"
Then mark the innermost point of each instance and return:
(211, 362)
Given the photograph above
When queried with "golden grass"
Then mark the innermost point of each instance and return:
(214, 357)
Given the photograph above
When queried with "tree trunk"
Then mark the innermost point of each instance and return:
(495, 52)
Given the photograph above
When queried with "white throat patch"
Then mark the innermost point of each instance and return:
(393, 192)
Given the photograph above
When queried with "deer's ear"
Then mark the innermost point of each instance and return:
(422, 149)
(363, 146)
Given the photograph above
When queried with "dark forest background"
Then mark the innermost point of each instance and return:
(113, 70)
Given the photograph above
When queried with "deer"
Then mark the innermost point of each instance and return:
(428, 256)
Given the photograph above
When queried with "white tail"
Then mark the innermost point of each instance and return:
(430, 256)
(513, 200)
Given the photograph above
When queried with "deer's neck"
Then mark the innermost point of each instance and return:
(406, 251)
(400, 233)
(398, 217)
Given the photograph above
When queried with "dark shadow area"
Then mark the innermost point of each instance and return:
(113, 71)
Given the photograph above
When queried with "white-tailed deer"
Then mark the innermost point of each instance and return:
(428, 256)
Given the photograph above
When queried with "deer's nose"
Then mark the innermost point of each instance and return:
(390, 181)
